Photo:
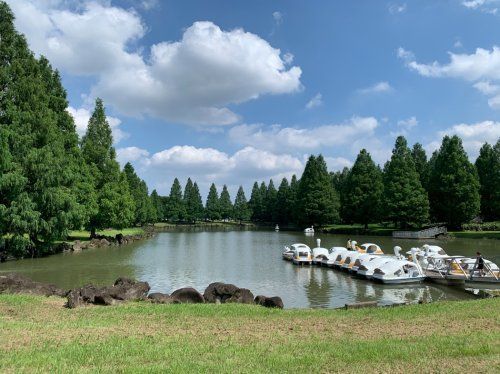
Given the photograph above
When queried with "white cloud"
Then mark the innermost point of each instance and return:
(481, 67)
(288, 58)
(82, 116)
(276, 137)
(379, 87)
(458, 44)
(397, 8)
(130, 154)
(337, 163)
(149, 4)
(475, 135)
(473, 4)
(278, 17)
(316, 100)
(189, 81)
(408, 123)
(207, 165)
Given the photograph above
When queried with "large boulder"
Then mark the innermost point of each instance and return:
(227, 293)
(160, 298)
(124, 289)
(269, 302)
(16, 283)
(187, 295)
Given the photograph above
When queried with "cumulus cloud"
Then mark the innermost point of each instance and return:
(189, 81)
(316, 100)
(337, 163)
(82, 116)
(379, 87)
(481, 67)
(475, 135)
(276, 137)
(207, 165)
(397, 8)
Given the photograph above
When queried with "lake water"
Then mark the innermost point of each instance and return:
(250, 259)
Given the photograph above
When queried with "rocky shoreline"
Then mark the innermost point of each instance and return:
(126, 289)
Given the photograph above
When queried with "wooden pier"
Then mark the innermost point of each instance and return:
(429, 233)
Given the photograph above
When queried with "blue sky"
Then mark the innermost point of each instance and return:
(234, 91)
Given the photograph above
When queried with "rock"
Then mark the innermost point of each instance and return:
(16, 283)
(269, 302)
(160, 298)
(78, 246)
(124, 289)
(119, 238)
(187, 295)
(227, 293)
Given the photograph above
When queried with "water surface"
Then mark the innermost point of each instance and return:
(250, 259)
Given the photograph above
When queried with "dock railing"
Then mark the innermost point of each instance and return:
(429, 233)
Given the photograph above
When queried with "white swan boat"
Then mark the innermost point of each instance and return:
(302, 255)
(367, 263)
(309, 230)
(350, 259)
(399, 271)
(290, 250)
(330, 258)
(319, 253)
(489, 275)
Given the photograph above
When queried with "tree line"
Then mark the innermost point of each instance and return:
(409, 191)
(50, 180)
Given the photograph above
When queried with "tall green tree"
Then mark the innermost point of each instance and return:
(144, 210)
(116, 206)
(294, 199)
(488, 169)
(270, 202)
(421, 164)
(42, 141)
(212, 207)
(176, 206)
(405, 201)
(362, 192)
(193, 202)
(453, 185)
(339, 180)
(225, 204)
(158, 207)
(318, 200)
(256, 203)
(241, 209)
(283, 206)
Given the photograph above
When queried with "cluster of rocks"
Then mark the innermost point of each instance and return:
(16, 283)
(106, 241)
(126, 289)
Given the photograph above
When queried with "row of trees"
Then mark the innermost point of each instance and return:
(51, 181)
(409, 191)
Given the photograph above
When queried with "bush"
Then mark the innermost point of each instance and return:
(486, 226)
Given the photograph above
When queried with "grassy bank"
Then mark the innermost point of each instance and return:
(37, 334)
(475, 234)
(357, 229)
(85, 235)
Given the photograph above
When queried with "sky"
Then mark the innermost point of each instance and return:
(232, 92)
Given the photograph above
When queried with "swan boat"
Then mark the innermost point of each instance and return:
(319, 253)
(290, 250)
(399, 271)
(330, 258)
(309, 230)
(302, 255)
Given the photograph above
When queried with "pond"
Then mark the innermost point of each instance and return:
(249, 259)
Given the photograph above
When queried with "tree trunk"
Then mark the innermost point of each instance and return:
(92, 233)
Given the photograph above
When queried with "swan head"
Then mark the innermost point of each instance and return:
(318, 243)
(397, 250)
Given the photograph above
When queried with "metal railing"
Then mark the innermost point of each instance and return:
(422, 234)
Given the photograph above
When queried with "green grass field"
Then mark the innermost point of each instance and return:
(85, 235)
(39, 335)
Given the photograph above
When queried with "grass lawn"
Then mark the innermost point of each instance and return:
(85, 235)
(373, 229)
(38, 334)
(476, 234)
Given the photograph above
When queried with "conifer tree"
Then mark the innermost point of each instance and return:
(116, 206)
(212, 208)
(421, 165)
(255, 203)
(225, 204)
(187, 199)
(270, 202)
(241, 209)
(139, 191)
(363, 191)
(294, 200)
(340, 185)
(263, 213)
(42, 141)
(318, 201)
(158, 208)
(488, 169)
(283, 203)
(176, 206)
(196, 202)
(405, 200)
(453, 185)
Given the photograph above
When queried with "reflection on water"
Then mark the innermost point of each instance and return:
(250, 259)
